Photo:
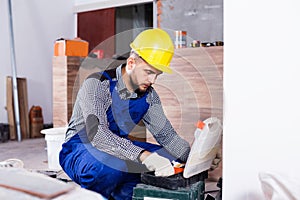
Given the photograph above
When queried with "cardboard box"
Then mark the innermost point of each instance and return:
(75, 47)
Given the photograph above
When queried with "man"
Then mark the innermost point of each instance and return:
(99, 153)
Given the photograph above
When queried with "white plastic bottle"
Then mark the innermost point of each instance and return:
(205, 146)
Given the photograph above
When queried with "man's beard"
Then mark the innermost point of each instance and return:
(139, 92)
(136, 88)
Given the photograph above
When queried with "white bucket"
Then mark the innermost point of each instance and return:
(54, 137)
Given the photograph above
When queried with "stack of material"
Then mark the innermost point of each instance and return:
(65, 70)
(194, 91)
(23, 108)
(66, 62)
(68, 74)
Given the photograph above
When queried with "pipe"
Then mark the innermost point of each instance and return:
(14, 74)
(155, 14)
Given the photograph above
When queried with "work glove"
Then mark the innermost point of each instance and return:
(160, 165)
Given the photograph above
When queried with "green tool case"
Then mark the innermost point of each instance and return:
(174, 187)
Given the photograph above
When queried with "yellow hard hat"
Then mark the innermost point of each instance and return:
(155, 47)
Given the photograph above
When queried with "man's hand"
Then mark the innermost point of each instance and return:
(162, 166)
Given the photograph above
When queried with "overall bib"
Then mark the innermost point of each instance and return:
(101, 172)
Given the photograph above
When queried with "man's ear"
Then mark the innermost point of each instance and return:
(130, 63)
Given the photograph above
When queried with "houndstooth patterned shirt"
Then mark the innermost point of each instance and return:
(94, 99)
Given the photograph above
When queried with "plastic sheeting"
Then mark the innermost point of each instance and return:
(277, 186)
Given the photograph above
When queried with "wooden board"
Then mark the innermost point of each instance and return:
(23, 107)
(10, 109)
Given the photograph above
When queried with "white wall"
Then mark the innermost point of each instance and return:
(261, 94)
(37, 24)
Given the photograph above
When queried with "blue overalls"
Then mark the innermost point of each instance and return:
(101, 172)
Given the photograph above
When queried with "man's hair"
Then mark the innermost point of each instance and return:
(136, 56)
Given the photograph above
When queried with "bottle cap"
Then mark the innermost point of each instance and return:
(200, 124)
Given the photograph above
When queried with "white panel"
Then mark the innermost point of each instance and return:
(261, 94)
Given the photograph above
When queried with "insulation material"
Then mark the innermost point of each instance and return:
(39, 185)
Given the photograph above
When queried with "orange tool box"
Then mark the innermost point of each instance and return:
(75, 47)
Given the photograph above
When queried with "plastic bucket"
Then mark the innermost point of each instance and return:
(54, 137)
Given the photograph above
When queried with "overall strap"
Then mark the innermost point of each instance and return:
(123, 114)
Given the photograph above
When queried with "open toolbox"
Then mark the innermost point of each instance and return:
(189, 184)
(174, 187)
(204, 149)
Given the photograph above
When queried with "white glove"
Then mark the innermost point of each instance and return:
(161, 165)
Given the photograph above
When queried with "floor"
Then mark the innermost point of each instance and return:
(33, 152)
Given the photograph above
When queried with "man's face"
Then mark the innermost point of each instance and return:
(143, 75)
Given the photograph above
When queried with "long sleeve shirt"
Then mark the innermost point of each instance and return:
(94, 99)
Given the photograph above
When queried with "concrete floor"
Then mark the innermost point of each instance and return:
(33, 152)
